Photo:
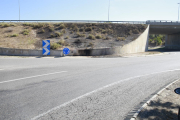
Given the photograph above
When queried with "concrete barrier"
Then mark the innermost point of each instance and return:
(138, 45)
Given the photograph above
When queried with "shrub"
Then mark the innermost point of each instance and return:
(63, 31)
(121, 38)
(55, 46)
(26, 32)
(158, 41)
(61, 42)
(91, 37)
(77, 41)
(135, 31)
(107, 38)
(103, 31)
(51, 29)
(130, 32)
(81, 29)
(62, 26)
(5, 25)
(27, 24)
(42, 31)
(36, 26)
(14, 35)
(88, 29)
(76, 29)
(52, 35)
(91, 44)
(80, 35)
(98, 37)
(67, 37)
(58, 34)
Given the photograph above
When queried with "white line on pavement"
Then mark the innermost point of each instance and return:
(31, 77)
(73, 100)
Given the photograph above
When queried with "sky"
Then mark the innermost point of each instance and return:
(120, 10)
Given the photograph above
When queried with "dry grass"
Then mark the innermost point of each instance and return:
(25, 34)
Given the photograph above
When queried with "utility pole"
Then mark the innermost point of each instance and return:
(108, 10)
(178, 11)
(19, 10)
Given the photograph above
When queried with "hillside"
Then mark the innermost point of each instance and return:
(72, 35)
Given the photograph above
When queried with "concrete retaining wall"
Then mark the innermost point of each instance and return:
(172, 41)
(138, 45)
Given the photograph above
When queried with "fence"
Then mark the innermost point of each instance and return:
(78, 21)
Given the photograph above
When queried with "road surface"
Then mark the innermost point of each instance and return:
(32, 86)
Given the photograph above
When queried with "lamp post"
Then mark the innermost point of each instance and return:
(108, 10)
(19, 10)
(178, 11)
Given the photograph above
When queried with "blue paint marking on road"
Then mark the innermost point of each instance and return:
(46, 51)
(46, 43)
(66, 51)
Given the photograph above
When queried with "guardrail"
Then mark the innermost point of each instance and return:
(150, 22)
(162, 22)
(78, 21)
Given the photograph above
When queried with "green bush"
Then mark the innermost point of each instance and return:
(135, 31)
(81, 29)
(91, 44)
(61, 42)
(27, 24)
(76, 29)
(120, 38)
(88, 29)
(52, 36)
(158, 41)
(26, 32)
(37, 25)
(98, 36)
(58, 34)
(14, 35)
(67, 37)
(80, 35)
(103, 31)
(62, 26)
(63, 31)
(42, 31)
(92, 37)
(51, 29)
(5, 25)
(55, 46)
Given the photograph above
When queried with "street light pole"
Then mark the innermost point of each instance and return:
(178, 11)
(108, 10)
(19, 10)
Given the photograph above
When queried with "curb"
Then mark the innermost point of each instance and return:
(151, 99)
(159, 54)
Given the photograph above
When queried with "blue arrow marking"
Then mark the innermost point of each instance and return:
(46, 51)
(46, 43)
(66, 51)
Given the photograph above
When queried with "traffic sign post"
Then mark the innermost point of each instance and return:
(46, 47)
(66, 51)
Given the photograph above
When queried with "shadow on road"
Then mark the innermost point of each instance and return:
(163, 49)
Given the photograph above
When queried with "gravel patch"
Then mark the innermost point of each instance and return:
(163, 107)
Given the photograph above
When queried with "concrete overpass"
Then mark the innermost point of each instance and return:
(170, 28)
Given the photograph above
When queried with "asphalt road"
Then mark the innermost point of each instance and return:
(32, 86)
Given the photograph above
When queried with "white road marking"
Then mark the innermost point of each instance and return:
(30, 77)
(87, 94)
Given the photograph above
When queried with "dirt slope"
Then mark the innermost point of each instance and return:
(72, 35)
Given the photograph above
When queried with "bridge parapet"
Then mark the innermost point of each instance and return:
(162, 22)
